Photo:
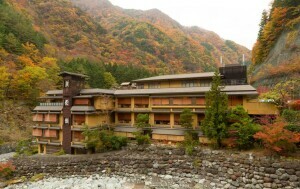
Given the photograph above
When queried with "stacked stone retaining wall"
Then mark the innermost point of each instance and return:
(228, 169)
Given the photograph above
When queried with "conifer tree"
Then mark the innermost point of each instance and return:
(214, 124)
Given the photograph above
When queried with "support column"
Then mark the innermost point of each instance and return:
(151, 119)
(172, 122)
(132, 104)
(132, 119)
(195, 120)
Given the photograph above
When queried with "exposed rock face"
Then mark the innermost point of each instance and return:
(220, 169)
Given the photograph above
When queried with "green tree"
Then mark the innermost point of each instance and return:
(244, 126)
(214, 124)
(292, 117)
(109, 80)
(142, 121)
(282, 92)
(263, 22)
(186, 119)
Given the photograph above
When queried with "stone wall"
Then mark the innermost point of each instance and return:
(7, 148)
(222, 169)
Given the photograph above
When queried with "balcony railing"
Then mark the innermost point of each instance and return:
(51, 104)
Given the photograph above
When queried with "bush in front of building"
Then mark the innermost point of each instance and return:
(101, 141)
(142, 139)
(242, 128)
(190, 136)
(142, 122)
(25, 147)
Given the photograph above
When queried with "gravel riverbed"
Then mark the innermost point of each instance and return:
(110, 182)
(6, 157)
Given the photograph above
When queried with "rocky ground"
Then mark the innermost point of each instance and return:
(6, 157)
(111, 182)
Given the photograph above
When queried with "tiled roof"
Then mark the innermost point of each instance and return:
(177, 76)
(245, 89)
(55, 92)
(96, 91)
(83, 108)
(73, 74)
(48, 108)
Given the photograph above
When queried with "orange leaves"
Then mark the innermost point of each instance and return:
(276, 138)
(6, 169)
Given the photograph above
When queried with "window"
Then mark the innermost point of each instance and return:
(189, 84)
(160, 101)
(67, 83)
(140, 86)
(205, 83)
(154, 85)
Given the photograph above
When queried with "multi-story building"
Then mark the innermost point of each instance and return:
(64, 114)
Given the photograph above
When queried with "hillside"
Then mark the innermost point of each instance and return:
(99, 31)
(156, 33)
(276, 54)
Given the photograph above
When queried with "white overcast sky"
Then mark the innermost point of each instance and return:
(235, 20)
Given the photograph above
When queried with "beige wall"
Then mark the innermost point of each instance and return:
(95, 120)
(104, 102)
(167, 137)
(258, 108)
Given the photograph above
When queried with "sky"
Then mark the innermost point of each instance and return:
(236, 20)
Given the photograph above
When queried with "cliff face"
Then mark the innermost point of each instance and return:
(282, 63)
(276, 53)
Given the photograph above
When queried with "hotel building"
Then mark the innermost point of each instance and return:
(63, 114)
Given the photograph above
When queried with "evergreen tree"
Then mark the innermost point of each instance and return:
(214, 124)
(263, 22)
(186, 119)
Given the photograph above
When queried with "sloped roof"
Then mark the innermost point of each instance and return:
(73, 74)
(83, 108)
(245, 89)
(54, 92)
(177, 76)
(96, 91)
(48, 108)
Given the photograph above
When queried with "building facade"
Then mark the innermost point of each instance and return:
(63, 114)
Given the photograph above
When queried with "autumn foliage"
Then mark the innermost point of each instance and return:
(6, 169)
(276, 138)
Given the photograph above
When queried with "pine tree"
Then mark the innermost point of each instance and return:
(214, 124)
(263, 22)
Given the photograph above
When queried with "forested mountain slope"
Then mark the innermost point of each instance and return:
(158, 35)
(276, 54)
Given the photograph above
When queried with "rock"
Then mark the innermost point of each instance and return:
(3, 184)
(284, 177)
(267, 185)
(293, 178)
(199, 186)
(230, 171)
(168, 177)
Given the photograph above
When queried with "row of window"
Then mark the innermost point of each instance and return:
(187, 83)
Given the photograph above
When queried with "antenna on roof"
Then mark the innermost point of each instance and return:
(243, 60)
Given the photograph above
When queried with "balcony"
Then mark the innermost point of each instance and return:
(51, 104)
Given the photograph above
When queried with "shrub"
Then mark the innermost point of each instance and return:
(142, 139)
(6, 170)
(242, 129)
(25, 147)
(100, 141)
(60, 153)
(190, 142)
(278, 139)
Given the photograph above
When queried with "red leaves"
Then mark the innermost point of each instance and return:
(276, 138)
